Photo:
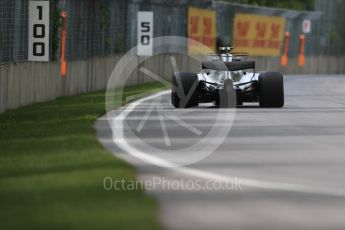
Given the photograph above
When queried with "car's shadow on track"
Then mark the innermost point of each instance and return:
(237, 107)
(249, 107)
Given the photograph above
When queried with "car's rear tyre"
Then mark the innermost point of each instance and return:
(185, 90)
(271, 90)
(239, 102)
(228, 97)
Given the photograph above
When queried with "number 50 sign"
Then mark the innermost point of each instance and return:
(38, 31)
(145, 33)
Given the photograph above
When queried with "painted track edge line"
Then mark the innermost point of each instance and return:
(251, 183)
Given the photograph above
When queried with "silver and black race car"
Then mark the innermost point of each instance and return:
(224, 80)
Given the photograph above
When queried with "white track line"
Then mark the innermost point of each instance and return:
(118, 137)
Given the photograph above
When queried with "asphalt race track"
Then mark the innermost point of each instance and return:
(290, 162)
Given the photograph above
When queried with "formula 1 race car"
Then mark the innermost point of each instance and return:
(223, 80)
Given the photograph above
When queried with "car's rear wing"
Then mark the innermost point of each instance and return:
(228, 66)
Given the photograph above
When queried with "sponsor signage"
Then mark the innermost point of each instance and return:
(306, 26)
(258, 35)
(201, 28)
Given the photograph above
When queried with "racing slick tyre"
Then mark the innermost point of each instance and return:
(239, 102)
(185, 90)
(228, 97)
(271, 90)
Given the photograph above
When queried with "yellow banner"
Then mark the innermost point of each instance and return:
(201, 28)
(258, 35)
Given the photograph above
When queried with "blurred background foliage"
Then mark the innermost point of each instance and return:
(288, 4)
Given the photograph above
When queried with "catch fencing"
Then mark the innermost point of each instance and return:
(329, 32)
(13, 30)
(104, 27)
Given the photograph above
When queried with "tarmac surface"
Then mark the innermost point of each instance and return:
(264, 169)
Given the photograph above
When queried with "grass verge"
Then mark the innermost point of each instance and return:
(52, 169)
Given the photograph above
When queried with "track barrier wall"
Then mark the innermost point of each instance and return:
(27, 83)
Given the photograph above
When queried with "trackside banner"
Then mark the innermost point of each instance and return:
(258, 35)
(201, 28)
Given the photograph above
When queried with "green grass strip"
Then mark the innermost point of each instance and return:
(52, 169)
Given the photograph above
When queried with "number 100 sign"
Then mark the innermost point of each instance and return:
(38, 31)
